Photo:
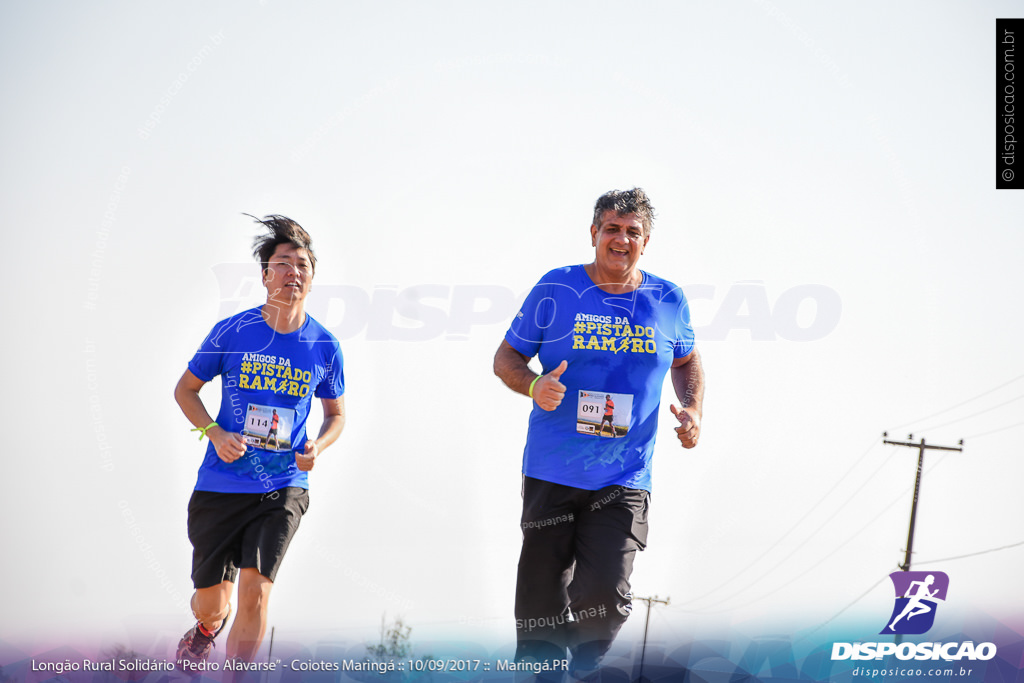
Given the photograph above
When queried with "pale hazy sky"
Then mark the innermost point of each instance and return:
(824, 181)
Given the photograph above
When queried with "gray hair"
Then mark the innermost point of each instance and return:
(633, 201)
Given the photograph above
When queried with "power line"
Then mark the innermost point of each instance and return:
(875, 584)
(967, 417)
(805, 542)
(980, 552)
(1000, 429)
(752, 563)
(946, 410)
(836, 615)
(834, 551)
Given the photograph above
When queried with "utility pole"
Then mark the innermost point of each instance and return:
(647, 625)
(270, 651)
(922, 446)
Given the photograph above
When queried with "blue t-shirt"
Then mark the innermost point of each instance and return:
(268, 380)
(618, 348)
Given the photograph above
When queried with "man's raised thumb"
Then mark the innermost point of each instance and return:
(557, 372)
(680, 414)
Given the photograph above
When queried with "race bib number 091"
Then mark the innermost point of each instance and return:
(602, 413)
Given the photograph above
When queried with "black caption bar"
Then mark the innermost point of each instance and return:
(1009, 174)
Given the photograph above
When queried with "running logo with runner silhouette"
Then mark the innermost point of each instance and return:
(917, 597)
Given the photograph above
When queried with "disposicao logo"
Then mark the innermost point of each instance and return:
(917, 597)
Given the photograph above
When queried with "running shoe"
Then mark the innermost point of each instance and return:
(195, 646)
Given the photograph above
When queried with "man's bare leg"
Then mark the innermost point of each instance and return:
(251, 616)
(211, 606)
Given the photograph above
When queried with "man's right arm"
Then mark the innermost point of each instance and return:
(514, 370)
(230, 446)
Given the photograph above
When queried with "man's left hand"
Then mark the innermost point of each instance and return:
(304, 460)
(688, 430)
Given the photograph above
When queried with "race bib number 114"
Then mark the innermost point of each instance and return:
(268, 427)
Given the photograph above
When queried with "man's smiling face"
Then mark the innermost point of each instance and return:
(618, 240)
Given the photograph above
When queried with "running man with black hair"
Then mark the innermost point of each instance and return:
(249, 498)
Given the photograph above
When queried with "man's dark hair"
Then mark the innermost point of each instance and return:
(633, 201)
(282, 230)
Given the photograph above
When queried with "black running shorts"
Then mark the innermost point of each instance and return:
(232, 531)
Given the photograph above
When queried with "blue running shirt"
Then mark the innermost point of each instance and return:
(618, 348)
(267, 378)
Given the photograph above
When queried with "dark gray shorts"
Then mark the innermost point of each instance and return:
(232, 531)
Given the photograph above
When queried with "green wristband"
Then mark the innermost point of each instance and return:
(532, 383)
(202, 431)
